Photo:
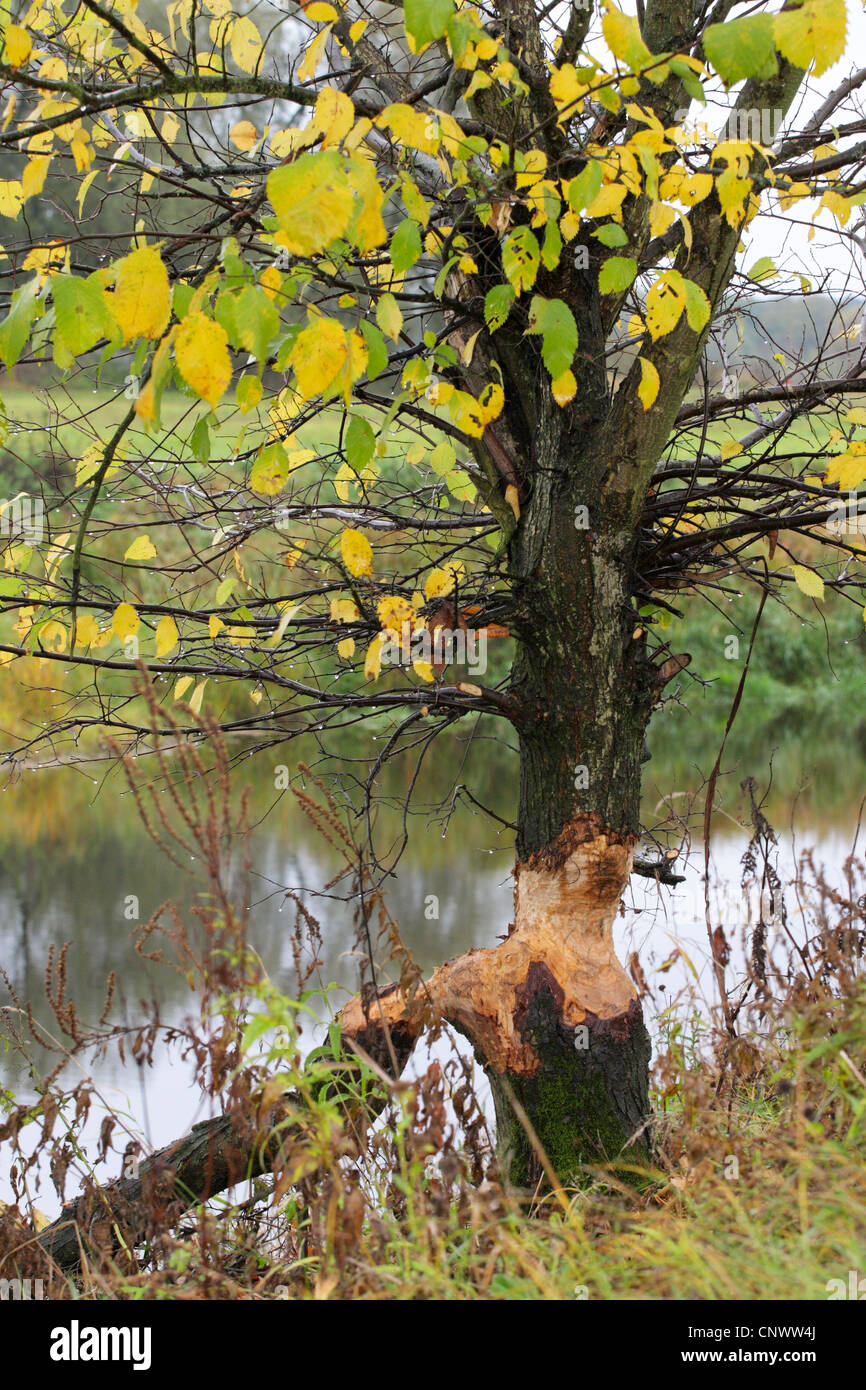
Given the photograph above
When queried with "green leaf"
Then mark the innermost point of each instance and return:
(763, 269)
(389, 316)
(497, 306)
(257, 322)
(82, 316)
(359, 442)
(520, 259)
(611, 234)
(377, 352)
(199, 441)
(690, 80)
(225, 315)
(15, 329)
(555, 322)
(697, 306)
(181, 296)
(443, 458)
(460, 29)
(425, 21)
(616, 274)
(584, 188)
(406, 245)
(551, 247)
(742, 48)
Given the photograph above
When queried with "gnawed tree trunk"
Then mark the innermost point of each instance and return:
(551, 1013)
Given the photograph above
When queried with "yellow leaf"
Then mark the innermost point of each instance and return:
(369, 228)
(313, 55)
(848, 469)
(835, 203)
(314, 201)
(53, 637)
(814, 32)
(202, 355)
(732, 193)
(564, 388)
(166, 635)
(346, 647)
(793, 194)
(244, 135)
(608, 201)
(441, 581)
(141, 301)
(287, 142)
(423, 669)
(662, 218)
(86, 630)
(142, 548)
(145, 403)
(296, 458)
(808, 581)
(623, 38)
(730, 449)
(322, 13)
(84, 155)
(342, 478)
(512, 500)
(394, 611)
(343, 610)
(664, 305)
(125, 621)
(248, 393)
(471, 415)
(270, 471)
(373, 659)
(33, 176)
(88, 464)
(11, 197)
(357, 552)
(412, 128)
(320, 352)
(271, 281)
(649, 383)
(566, 88)
(195, 700)
(334, 115)
(19, 45)
(245, 44)
(182, 686)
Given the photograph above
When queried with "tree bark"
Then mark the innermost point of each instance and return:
(551, 1013)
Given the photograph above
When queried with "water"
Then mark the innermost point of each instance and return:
(80, 867)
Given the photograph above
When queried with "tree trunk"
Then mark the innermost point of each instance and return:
(586, 689)
(553, 1016)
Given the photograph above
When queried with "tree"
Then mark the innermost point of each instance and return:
(444, 345)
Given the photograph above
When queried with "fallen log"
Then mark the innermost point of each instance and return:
(216, 1154)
